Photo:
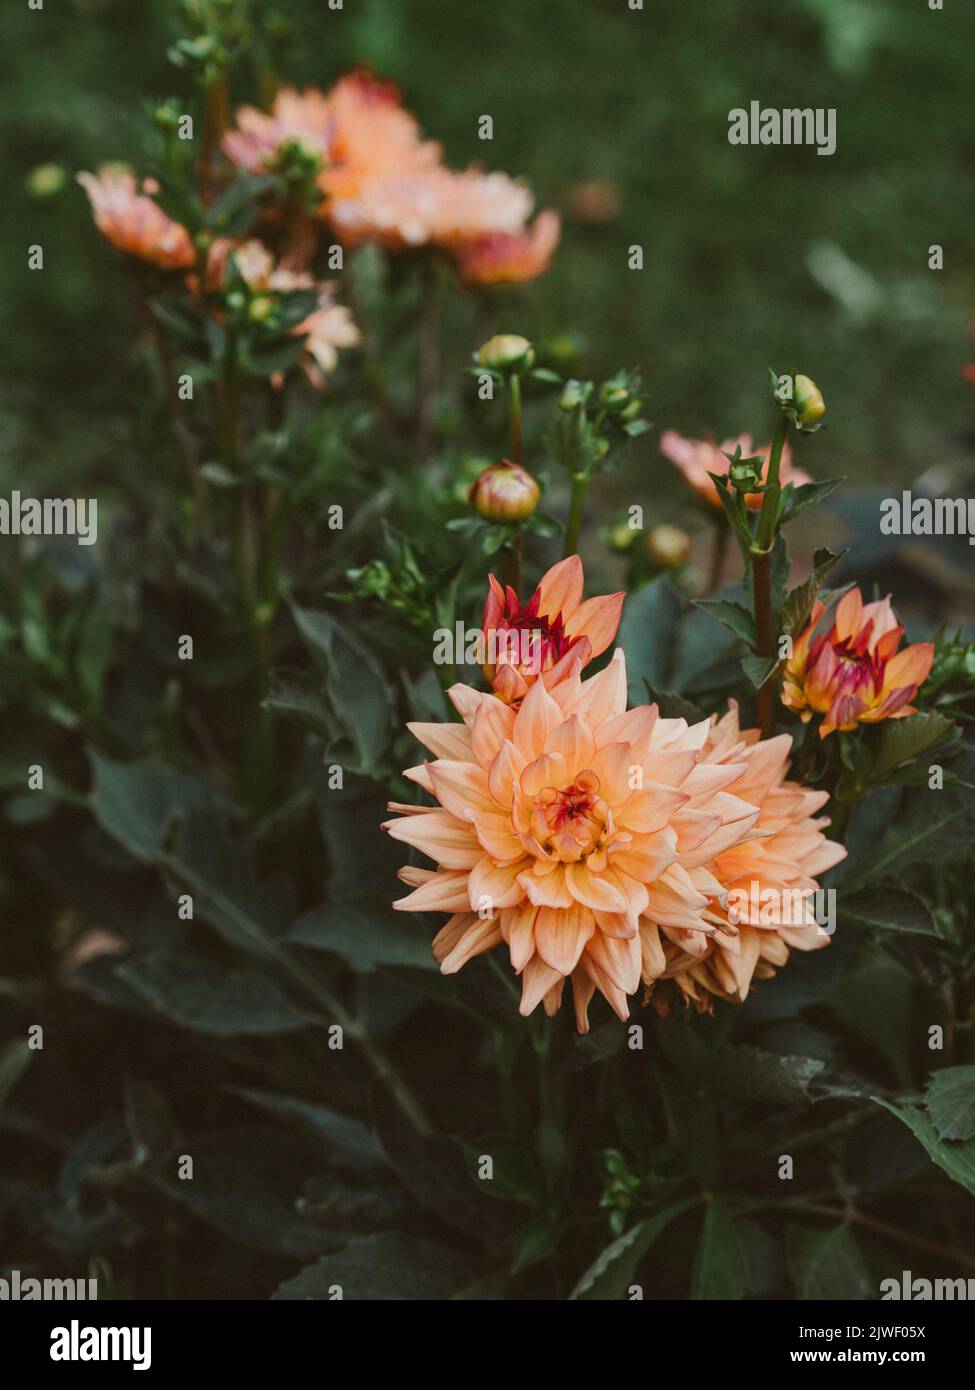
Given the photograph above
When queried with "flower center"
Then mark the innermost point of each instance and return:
(572, 821)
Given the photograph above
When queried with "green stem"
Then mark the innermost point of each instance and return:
(762, 603)
(770, 498)
(577, 505)
(517, 432)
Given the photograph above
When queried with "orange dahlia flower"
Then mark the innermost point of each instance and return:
(697, 458)
(554, 629)
(508, 258)
(761, 899)
(853, 673)
(133, 222)
(575, 832)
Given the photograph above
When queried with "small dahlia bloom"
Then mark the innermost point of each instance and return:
(509, 258)
(133, 222)
(555, 628)
(853, 673)
(697, 458)
(296, 118)
(564, 824)
(326, 329)
(761, 898)
(371, 135)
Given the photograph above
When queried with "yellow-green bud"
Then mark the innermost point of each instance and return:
(622, 536)
(261, 307)
(807, 400)
(572, 395)
(668, 546)
(507, 352)
(504, 492)
(45, 180)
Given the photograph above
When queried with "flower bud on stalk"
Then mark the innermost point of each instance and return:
(668, 546)
(507, 352)
(504, 492)
(808, 400)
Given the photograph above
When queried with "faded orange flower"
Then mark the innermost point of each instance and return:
(697, 458)
(133, 222)
(554, 628)
(761, 899)
(508, 258)
(853, 673)
(575, 833)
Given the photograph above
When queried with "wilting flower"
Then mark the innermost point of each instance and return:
(504, 492)
(510, 258)
(697, 458)
(761, 900)
(853, 673)
(577, 833)
(133, 222)
(555, 628)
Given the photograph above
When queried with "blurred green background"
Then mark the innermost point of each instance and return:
(753, 256)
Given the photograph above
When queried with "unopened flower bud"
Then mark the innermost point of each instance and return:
(45, 180)
(573, 395)
(613, 396)
(621, 537)
(504, 492)
(808, 401)
(261, 307)
(668, 546)
(507, 352)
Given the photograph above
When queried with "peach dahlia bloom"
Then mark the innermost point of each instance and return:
(326, 329)
(299, 118)
(577, 833)
(696, 458)
(853, 673)
(761, 899)
(133, 222)
(508, 258)
(555, 628)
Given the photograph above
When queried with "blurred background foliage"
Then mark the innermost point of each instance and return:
(752, 255)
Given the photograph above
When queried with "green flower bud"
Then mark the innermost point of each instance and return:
(507, 352)
(261, 308)
(573, 395)
(45, 180)
(504, 492)
(808, 401)
(614, 397)
(668, 546)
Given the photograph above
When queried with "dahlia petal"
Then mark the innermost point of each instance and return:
(537, 979)
(561, 934)
(461, 787)
(604, 695)
(492, 727)
(593, 890)
(598, 619)
(496, 884)
(560, 588)
(443, 892)
(573, 743)
(518, 929)
(479, 937)
(440, 835)
(537, 717)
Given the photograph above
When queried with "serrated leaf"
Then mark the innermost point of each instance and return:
(956, 1158)
(951, 1102)
(734, 616)
(356, 687)
(221, 1002)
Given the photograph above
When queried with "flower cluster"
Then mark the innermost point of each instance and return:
(381, 182)
(601, 844)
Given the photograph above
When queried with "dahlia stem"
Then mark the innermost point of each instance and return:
(181, 429)
(511, 557)
(577, 505)
(517, 432)
(719, 550)
(429, 359)
(762, 603)
(765, 535)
